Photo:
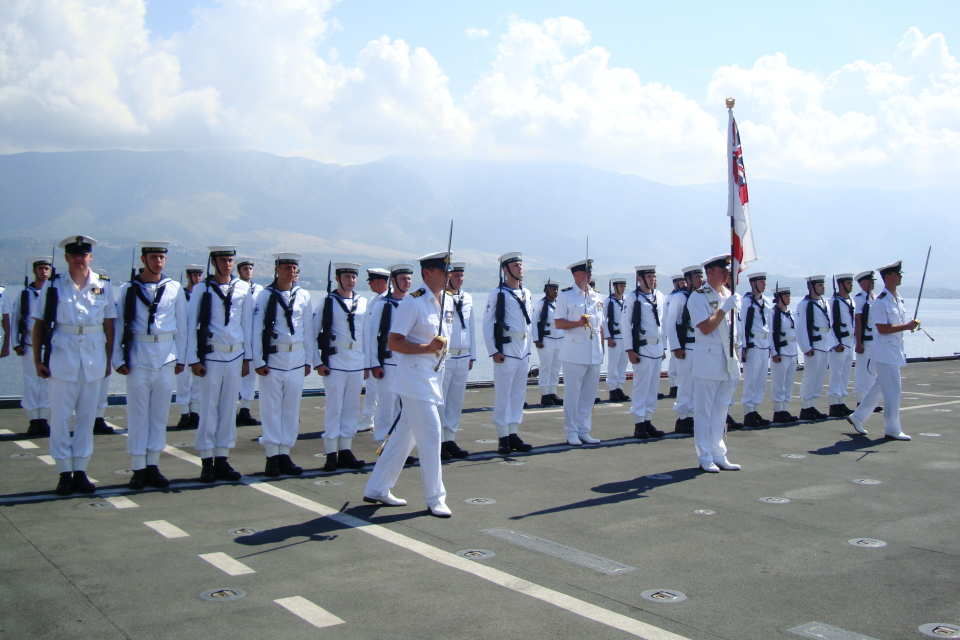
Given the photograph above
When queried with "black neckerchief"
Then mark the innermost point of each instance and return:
(227, 299)
(139, 286)
(276, 294)
(651, 298)
(522, 301)
(458, 305)
(351, 312)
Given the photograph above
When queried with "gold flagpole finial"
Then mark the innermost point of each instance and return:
(730, 103)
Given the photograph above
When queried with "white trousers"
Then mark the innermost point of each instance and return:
(248, 390)
(886, 385)
(814, 374)
(672, 370)
(369, 410)
(454, 388)
(420, 426)
(510, 388)
(549, 377)
(280, 394)
(782, 376)
(754, 378)
(841, 365)
(711, 399)
(646, 382)
(388, 405)
(617, 362)
(580, 384)
(69, 399)
(684, 402)
(36, 394)
(148, 406)
(188, 391)
(218, 407)
(102, 396)
(342, 408)
(864, 373)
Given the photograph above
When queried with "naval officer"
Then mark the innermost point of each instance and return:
(419, 336)
(36, 397)
(547, 339)
(580, 315)
(646, 348)
(73, 346)
(783, 367)
(377, 281)
(815, 340)
(150, 352)
(840, 360)
(461, 354)
(683, 340)
(755, 322)
(617, 359)
(248, 383)
(890, 321)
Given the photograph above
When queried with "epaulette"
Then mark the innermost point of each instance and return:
(567, 289)
(419, 292)
(704, 289)
(882, 294)
(104, 278)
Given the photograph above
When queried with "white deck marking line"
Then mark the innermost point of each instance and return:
(26, 444)
(927, 406)
(47, 460)
(166, 529)
(6, 432)
(315, 615)
(183, 455)
(121, 502)
(501, 578)
(227, 564)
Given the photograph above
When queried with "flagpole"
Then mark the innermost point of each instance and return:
(734, 267)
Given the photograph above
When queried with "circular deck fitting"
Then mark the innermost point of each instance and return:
(775, 500)
(123, 472)
(704, 512)
(940, 630)
(22, 455)
(870, 543)
(663, 595)
(243, 531)
(95, 505)
(223, 595)
(866, 481)
(476, 554)
(659, 476)
(793, 456)
(480, 501)
(929, 435)
(512, 463)
(328, 483)
(485, 441)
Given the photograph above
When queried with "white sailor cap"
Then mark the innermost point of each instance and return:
(77, 245)
(285, 258)
(645, 268)
(436, 260)
(616, 281)
(781, 290)
(346, 267)
(582, 265)
(222, 250)
(551, 283)
(401, 268)
(816, 279)
(893, 267)
(194, 268)
(843, 276)
(377, 273)
(864, 275)
(692, 269)
(678, 277)
(458, 267)
(513, 256)
(36, 261)
(242, 262)
(722, 260)
(153, 246)
(759, 275)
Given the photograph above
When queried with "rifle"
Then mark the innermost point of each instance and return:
(24, 304)
(49, 323)
(325, 338)
(129, 315)
(269, 320)
(544, 309)
(203, 323)
(499, 322)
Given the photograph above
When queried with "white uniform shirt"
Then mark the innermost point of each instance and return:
(550, 331)
(461, 336)
(844, 307)
(670, 335)
(372, 329)
(711, 358)
(295, 349)
(518, 325)
(235, 333)
(170, 321)
(673, 327)
(578, 345)
(86, 307)
(651, 324)
(420, 319)
(786, 326)
(888, 348)
(15, 313)
(761, 325)
(806, 335)
(860, 301)
(350, 347)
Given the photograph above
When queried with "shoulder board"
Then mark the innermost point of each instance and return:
(567, 289)
(104, 278)
(419, 292)
(882, 295)
(704, 289)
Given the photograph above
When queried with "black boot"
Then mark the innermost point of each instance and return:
(809, 413)
(557, 401)
(81, 483)
(640, 431)
(65, 485)
(410, 460)
(445, 452)
(781, 417)
(138, 481)
(752, 419)
(331, 463)
(101, 428)
(820, 414)
(546, 400)
(223, 471)
(455, 450)
(184, 421)
(244, 419)
(517, 444)
(838, 411)
(673, 392)
(346, 460)
(34, 430)
(272, 468)
(206, 470)
(733, 424)
(287, 467)
(155, 478)
(194, 420)
(652, 431)
(503, 445)
(45, 426)
(684, 426)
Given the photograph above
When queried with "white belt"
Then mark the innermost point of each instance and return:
(519, 335)
(790, 339)
(156, 337)
(456, 353)
(760, 335)
(288, 346)
(348, 345)
(79, 329)
(651, 341)
(226, 348)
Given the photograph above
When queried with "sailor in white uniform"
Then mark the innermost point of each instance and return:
(617, 359)
(783, 363)
(188, 385)
(890, 321)
(248, 384)
(715, 364)
(73, 346)
(683, 340)
(547, 339)
(507, 334)
(283, 342)
(815, 339)
(840, 360)
(150, 351)
(219, 351)
(461, 354)
(644, 341)
(340, 321)
(36, 396)
(377, 280)
(419, 338)
(863, 373)
(756, 318)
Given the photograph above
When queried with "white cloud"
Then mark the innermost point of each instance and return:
(474, 33)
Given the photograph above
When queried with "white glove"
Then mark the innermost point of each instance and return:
(731, 303)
